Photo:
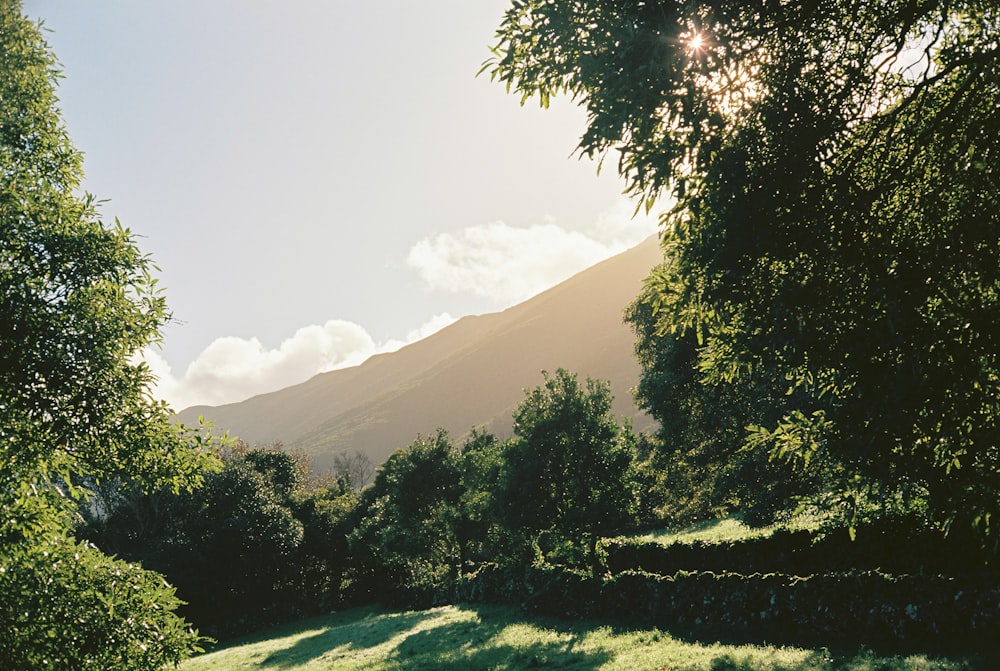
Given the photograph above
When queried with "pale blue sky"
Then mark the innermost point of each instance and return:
(319, 179)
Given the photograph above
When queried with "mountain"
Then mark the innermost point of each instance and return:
(470, 374)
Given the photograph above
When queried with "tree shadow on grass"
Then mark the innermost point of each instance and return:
(460, 638)
(479, 644)
(345, 632)
(467, 638)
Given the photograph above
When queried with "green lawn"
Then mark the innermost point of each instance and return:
(467, 638)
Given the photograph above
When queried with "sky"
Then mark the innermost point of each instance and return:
(318, 181)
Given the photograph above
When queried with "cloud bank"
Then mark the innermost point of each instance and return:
(232, 369)
(508, 264)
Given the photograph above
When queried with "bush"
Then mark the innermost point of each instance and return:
(903, 612)
(890, 545)
(65, 606)
(906, 612)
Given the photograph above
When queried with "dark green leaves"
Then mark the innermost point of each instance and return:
(835, 215)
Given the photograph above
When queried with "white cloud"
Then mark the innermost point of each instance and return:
(430, 327)
(509, 264)
(231, 369)
(618, 229)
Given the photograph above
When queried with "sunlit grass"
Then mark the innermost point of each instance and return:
(467, 638)
(728, 530)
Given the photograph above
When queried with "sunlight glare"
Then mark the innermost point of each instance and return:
(696, 42)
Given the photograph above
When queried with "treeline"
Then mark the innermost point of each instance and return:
(264, 540)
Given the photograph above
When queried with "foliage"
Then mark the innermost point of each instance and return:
(405, 543)
(923, 613)
(568, 471)
(480, 537)
(77, 300)
(891, 545)
(78, 303)
(835, 217)
(326, 514)
(254, 546)
(704, 472)
(728, 530)
(231, 548)
(66, 606)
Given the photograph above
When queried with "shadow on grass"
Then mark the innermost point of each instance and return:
(490, 644)
(460, 638)
(500, 638)
(351, 634)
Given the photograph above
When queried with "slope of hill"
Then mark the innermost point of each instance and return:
(472, 373)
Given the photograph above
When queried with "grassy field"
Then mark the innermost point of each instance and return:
(471, 638)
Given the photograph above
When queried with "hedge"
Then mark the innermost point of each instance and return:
(889, 547)
(865, 607)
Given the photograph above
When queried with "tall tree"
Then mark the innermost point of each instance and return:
(406, 542)
(77, 305)
(233, 545)
(836, 210)
(568, 471)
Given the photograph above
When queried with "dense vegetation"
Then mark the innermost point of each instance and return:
(831, 258)
(262, 541)
(820, 336)
(77, 305)
(527, 521)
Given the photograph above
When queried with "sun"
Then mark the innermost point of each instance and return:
(696, 42)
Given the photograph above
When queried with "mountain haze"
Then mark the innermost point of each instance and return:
(472, 373)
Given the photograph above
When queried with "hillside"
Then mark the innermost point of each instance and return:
(469, 374)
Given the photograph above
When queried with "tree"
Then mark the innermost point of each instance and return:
(258, 544)
(567, 475)
(66, 605)
(357, 466)
(835, 219)
(405, 543)
(698, 468)
(78, 303)
(327, 516)
(481, 465)
(231, 548)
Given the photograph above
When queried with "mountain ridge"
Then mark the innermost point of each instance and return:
(470, 374)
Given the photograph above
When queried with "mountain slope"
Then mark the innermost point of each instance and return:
(472, 373)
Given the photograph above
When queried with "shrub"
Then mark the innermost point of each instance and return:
(865, 607)
(65, 606)
(890, 545)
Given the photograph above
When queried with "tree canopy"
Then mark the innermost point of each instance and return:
(832, 175)
(78, 303)
(406, 543)
(567, 473)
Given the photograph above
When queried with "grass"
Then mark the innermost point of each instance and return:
(471, 638)
(728, 530)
